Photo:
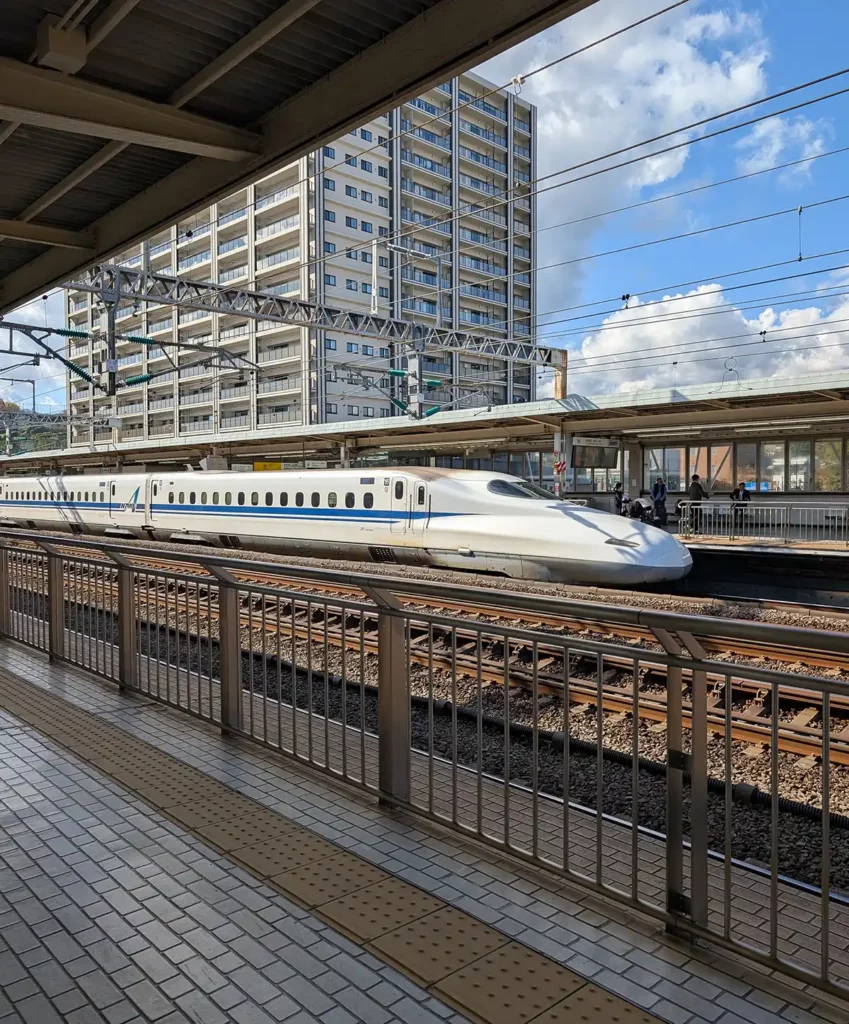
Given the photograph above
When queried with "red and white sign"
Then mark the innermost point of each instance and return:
(559, 467)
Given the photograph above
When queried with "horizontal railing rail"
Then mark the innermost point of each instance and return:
(778, 521)
(492, 724)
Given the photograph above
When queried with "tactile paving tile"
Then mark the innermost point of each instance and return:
(197, 814)
(437, 945)
(329, 879)
(591, 1005)
(246, 829)
(165, 796)
(512, 985)
(380, 908)
(284, 852)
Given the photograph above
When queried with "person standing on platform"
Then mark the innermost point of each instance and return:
(697, 494)
(740, 498)
(658, 496)
(618, 496)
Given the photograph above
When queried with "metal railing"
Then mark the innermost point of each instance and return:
(487, 726)
(783, 522)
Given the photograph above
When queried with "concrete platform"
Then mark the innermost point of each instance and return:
(152, 870)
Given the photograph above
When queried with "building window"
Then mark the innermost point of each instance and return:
(350, 222)
(330, 184)
(384, 353)
(365, 135)
(365, 288)
(366, 196)
(330, 407)
(381, 140)
(799, 464)
(383, 172)
(330, 344)
(351, 254)
(366, 257)
(353, 410)
(330, 152)
(828, 470)
(350, 159)
(330, 216)
(367, 226)
(351, 191)
(368, 410)
(330, 279)
(771, 477)
(383, 261)
(366, 165)
(353, 346)
(330, 247)
(383, 232)
(384, 412)
(351, 285)
(384, 292)
(383, 201)
(368, 350)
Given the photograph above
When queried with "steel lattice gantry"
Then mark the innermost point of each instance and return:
(115, 284)
(118, 117)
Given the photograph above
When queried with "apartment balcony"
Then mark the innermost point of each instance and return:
(228, 334)
(281, 195)
(230, 394)
(232, 216)
(482, 266)
(487, 108)
(479, 132)
(482, 214)
(136, 409)
(160, 429)
(232, 274)
(523, 126)
(196, 426)
(192, 316)
(128, 433)
(160, 403)
(484, 294)
(426, 222)
(435, 366)
(523, 329)
(232, 245)
(194, 371)
(523, 151)
(276, 228)
(474, 316)
(522, 252)
(520, 228)
(281, 288)
(426, 164)
(160, 326)
(241, 419)
(158, 251)
(431, 194)
(429, 108)
(161, 378)
(276, 354)
(289, 416)
(434, 139)
(191, 233)
(196, 398)
(522, 278)
(519, 303)
(76, 307)
(483, 159)
(479, 185)
(278, 259)
(478, 238)
(424, 277)
(197, 259)
(130, 360)
(279, 385)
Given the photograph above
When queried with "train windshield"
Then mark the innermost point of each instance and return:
(520, 489)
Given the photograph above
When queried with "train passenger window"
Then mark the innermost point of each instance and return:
(284, 499)
(181, 499)
(228, 498)
(171, 498)
(331, 499)
(299, 499)
(420, 496)
(102, 496)
(203, 497)
(269, 498)
(368, 500)
(192, 496)
(215, 497)
(255, 498)
(350, 500)
(155, 490)
(399, 488)
(86, 495)
(315, 500)
(241, 498)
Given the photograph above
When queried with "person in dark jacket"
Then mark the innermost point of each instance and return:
(740, 497)
(658, 496)
(618, 496)
(697, 494)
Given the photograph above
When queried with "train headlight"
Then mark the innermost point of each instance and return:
(623, 543)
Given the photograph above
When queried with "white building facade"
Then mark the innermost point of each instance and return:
(440, 185)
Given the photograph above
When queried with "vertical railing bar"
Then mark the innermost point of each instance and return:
(825, 863)
(567, 765)
(430, 719)
(189, 633)
(263, 625)
(362, 699)
(635, 781)
(729, 796)
(773, 852)
(326, 674)
(198, 631)
(479, 724)
(250, 663)
(506, 656)
(599, 769)
(279, 675)
(294, 675)
(157, 605)
(535, 751)
(167, 659)
(209, 648)
(343, 696)
(454, 762)
(309, 681)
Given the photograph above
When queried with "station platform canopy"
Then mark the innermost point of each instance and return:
(119, 117)
(771, 407)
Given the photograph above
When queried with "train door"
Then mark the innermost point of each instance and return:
(399, 504)
(113, 503)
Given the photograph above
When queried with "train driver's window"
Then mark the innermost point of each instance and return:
(284, 499)
(203, 497)
(299, 499)
(420, 496)
(331, 500)
(368, 500)
(350, 499)
(241, 498)
(399, 488)
(215, 497)
(269, 498)
(315, 499)
(171, 498)
(192, 496)
(181, 500)
(255, 498)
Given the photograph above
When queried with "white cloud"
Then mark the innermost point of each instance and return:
(780, 140)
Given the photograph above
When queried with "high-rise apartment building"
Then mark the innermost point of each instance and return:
(438, 188)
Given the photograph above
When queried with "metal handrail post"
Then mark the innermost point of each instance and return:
(5, 594)
(127, 636)
(229, 658)
(394, 740)
(56, 607)
(698, 800)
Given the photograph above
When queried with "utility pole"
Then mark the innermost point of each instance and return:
(111, 356)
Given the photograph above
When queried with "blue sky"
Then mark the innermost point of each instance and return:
(701, 59)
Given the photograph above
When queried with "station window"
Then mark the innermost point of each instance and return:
(699, 462)
(828, 468)
(299, 499)
(368, 500)
(721, 470)
(241, 498)
(746, 472)
(799, 466)
(332, 500)
(349, 500)
(399, 489)
(269, 498)
(255, 498)
(284, 499)
(772, 466)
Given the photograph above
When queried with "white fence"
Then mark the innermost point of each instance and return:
(790, 522)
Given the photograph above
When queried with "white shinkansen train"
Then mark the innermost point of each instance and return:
(455, 519)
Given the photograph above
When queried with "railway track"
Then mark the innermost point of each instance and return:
(320, 617)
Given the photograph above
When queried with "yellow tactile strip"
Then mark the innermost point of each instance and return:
(481, 972)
